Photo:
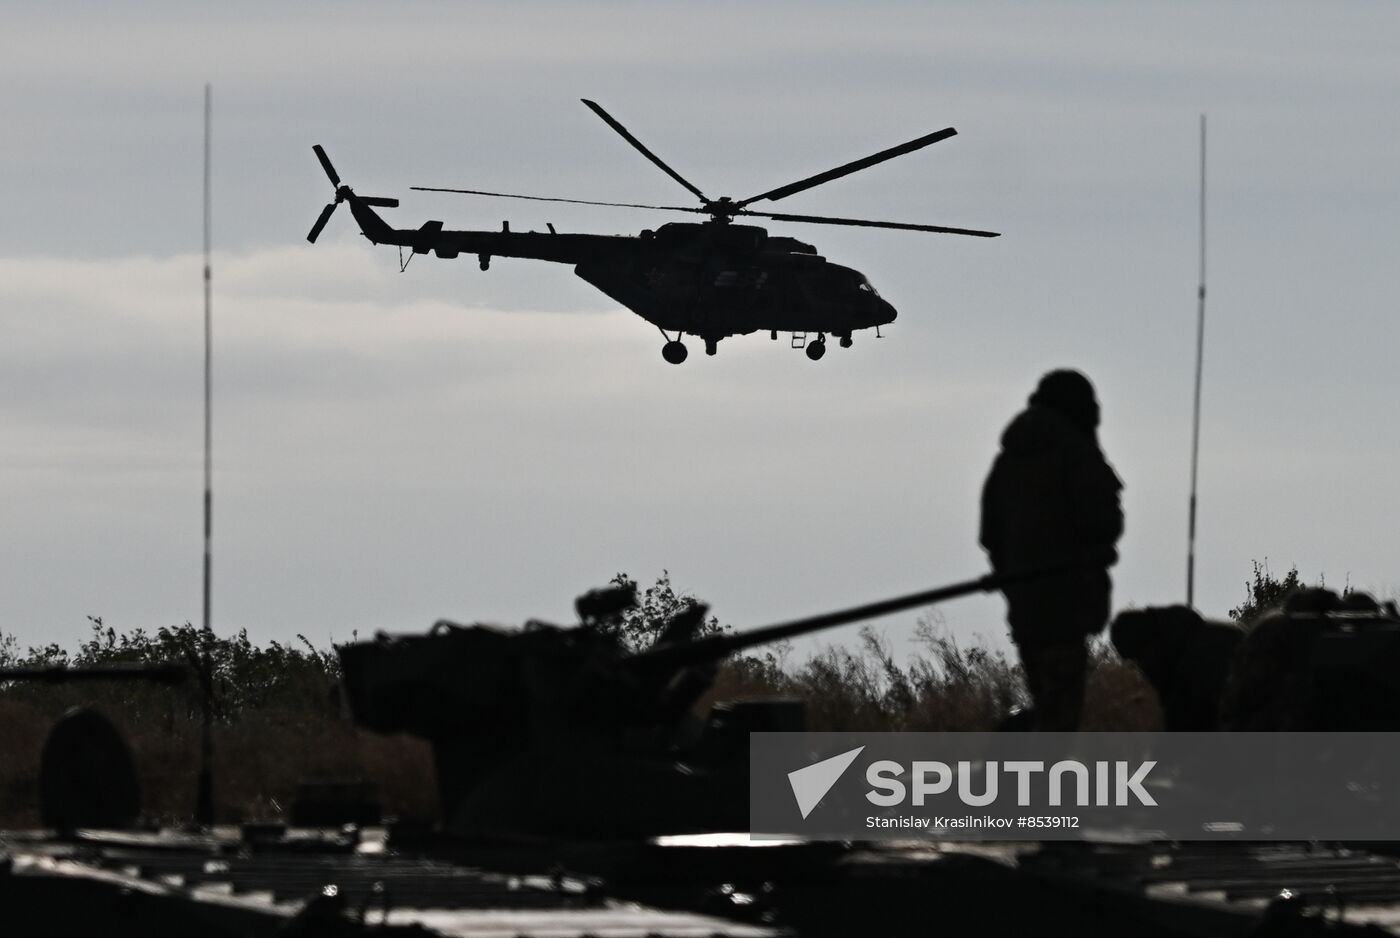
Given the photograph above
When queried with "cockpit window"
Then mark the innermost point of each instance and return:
(849, 282)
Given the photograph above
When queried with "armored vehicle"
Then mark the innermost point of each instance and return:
(1320, 662)
(564, 732)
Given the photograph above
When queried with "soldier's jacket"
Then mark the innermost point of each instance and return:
(1051, 496)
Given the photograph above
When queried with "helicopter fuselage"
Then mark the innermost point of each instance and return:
(711, 279)
(714, 280)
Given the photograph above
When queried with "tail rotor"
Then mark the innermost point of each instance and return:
(341, 194)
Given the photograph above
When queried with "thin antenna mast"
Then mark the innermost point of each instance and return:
(208, 361)
(204, 796)
(1196, 409)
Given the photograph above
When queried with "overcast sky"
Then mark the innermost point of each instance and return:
(391, 449)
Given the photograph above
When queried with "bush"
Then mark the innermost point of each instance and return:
(1264, 592)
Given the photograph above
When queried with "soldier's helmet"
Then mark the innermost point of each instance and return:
(1070, 393)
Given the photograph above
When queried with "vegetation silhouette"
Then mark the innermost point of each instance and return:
(1264, 591)
(278, 716)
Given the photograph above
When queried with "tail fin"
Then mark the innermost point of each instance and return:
(374, 227)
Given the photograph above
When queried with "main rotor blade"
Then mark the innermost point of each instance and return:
(644, 151)
(326, 165)
(783, 192)
(320, 223)
(541, 198)
(863, 223)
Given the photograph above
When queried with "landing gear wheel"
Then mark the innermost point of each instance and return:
(674, 351)
(845, 341)
(711, 346)
(815, 350)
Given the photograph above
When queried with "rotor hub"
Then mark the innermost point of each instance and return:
(722, 210)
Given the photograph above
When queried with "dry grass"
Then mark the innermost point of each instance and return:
(946, 687)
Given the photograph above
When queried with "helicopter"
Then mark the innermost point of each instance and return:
(710, 279)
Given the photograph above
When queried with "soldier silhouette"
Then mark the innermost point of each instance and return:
(1052, 497)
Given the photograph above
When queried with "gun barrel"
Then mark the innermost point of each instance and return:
(719, 646)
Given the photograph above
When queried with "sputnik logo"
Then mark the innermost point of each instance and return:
(810, 784)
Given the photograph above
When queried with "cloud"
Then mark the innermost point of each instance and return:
(385, 456)
(561, 434)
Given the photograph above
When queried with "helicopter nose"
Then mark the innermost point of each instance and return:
(885, 312)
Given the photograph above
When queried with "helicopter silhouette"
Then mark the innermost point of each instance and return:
(711, 279)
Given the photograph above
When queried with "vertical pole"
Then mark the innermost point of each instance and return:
(208, 362)
(1196, 409)
(204, 798)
